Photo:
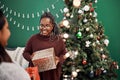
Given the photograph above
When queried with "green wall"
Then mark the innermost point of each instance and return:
(108, 13)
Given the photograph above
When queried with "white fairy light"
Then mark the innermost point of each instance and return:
(53, 7)
(18, 25)
(10, 11)
(23, 15)
(28, 16)
(28, 28)
(6, 8)
(11, 19)
(7, 16)
(61, 10)
(4, 12)
(33, 15)
(18, 14)
(23, 27)
(38, 14)
(48, 10)
(14, 22)
(57, 15)
(2, 6)
(14, 13)
(33, 28)
(42, 12)
(38, 27)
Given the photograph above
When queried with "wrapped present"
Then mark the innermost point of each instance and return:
(44, 59)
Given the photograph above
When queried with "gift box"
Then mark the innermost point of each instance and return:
(44, 59)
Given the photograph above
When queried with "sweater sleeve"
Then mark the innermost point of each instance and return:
(28, 50)
(63, 51)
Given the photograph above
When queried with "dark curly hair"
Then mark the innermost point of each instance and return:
(51, 17)
(4, 57)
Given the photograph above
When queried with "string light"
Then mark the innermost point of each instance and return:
(10, 12)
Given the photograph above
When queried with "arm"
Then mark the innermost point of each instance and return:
(28, 51)
(63, 52)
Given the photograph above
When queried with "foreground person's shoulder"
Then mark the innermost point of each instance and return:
(12, 71)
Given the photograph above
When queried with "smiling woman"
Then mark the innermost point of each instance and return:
(47, 38)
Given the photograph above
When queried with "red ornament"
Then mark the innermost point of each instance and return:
(84, 62)
(98, 38)
(91, 9)
(114, 63)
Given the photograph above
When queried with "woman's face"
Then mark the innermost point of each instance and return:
(46, 26)
(4, 34)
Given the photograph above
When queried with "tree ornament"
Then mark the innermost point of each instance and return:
(65, 35)
(87, 43)
(84, 62)
(91, 74)
(104, 71)
(95, 14)
(66, 10)
(98, 37)
(96, 1)
(98, 42)
(67, 55)
(71, 16)
(87, 29)
(67, 14)
(91, 35)
(90, 14)
(106, 42)
(103, 56)
(77, 70)
(79, 34)
(94, 44)
(85, 20)
(76, 53)
(80, 11)
(76, 3)
(101, 49)
(65, 23)
(74, 74)
(86, 8)
(64, 40)
(91, 9)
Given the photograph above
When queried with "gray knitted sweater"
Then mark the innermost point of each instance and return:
(12, 71)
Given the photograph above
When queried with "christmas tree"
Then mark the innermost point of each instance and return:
(86, 43)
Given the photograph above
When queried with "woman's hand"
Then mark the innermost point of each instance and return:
(32, 55)
(57, 60)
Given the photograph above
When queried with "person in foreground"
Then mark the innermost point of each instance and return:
(48, 37)
(8, 69)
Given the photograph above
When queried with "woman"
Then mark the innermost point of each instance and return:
(47, 38)
(8, 69)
